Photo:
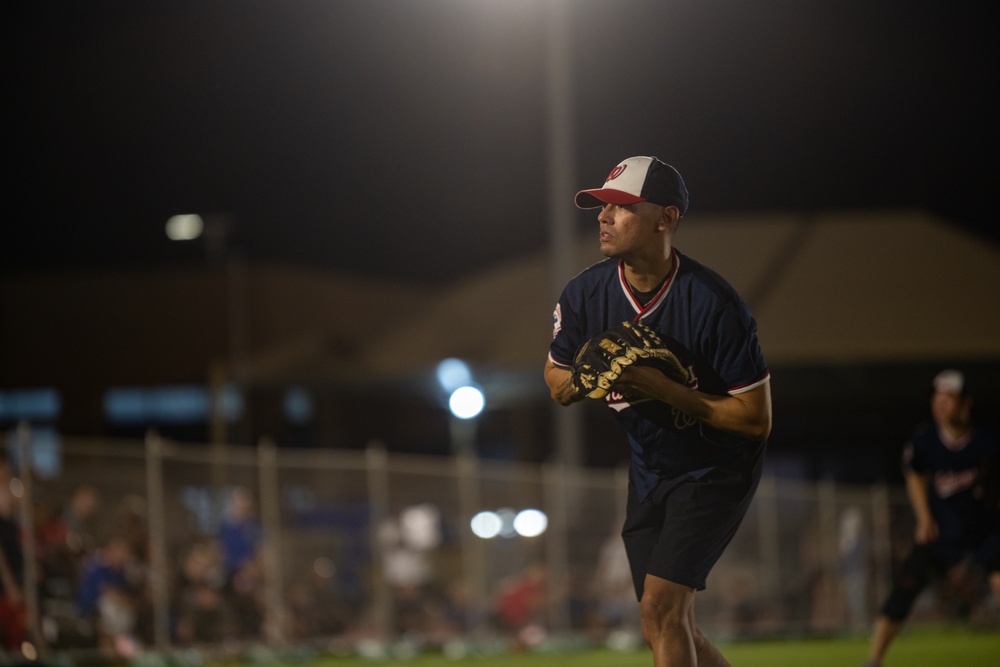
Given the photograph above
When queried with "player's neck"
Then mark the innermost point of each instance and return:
(955, 431)
(645, 273)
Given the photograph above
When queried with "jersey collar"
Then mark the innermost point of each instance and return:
(660, 296)
(952, 443)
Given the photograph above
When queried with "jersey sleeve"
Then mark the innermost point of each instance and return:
(908, 461)
(735, 351)
(913, 456)
(567, 330)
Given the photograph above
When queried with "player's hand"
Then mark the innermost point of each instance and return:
(926, 532)
(641, 382)
(561, 387)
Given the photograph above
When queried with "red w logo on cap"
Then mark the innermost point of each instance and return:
(616, 172)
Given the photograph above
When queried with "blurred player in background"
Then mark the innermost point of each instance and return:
(949, 469)
(696, 448)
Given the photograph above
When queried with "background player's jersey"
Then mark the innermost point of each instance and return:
(704, 322)
(952, 474)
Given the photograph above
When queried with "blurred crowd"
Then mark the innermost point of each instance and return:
(92, 579)
(93, 582)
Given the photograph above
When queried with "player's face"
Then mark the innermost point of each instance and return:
(947, 407)
(630, 229)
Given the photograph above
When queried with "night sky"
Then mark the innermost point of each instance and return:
(409, 139)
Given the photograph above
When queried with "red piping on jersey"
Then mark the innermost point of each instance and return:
(656, 300)
(747, 387)
(560, 364)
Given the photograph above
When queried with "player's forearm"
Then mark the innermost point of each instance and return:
(747, 414)
(726, 413)
(916, 490)
(560, 382)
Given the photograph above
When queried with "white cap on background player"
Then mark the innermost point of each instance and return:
(637, 179)
(950, 381)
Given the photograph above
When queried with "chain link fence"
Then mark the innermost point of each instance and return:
(157, 545)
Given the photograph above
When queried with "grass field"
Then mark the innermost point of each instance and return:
(920, 647)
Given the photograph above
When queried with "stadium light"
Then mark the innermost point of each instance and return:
(186, 227)
(505, 522)
(466, 402)
(453, 373)
(486, 525)
(531, 523)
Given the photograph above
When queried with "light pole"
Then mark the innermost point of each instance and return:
(216, 231)
(560, 160)
(562, 244)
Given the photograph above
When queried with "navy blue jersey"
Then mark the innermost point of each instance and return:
(704, 322)
(952, 471)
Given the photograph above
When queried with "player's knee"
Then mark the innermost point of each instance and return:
(661, 615)
(993, 579)
(897, 607)
(914, 575)
(700, 641)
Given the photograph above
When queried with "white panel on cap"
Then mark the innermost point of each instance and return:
(949, 381)
(630, 180)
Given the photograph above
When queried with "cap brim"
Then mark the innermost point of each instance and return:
(601, 196)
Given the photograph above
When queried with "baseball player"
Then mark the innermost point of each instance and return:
(945, 465)
(697, 444)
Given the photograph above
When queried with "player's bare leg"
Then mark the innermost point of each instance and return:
(991, 603)
(668, 626)
(885, 631)
(994, 582)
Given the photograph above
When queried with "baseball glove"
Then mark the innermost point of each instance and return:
(600, 361)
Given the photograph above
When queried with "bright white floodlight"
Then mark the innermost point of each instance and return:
(486, 525)
(466, 402)
(185, 227)
(530, 523)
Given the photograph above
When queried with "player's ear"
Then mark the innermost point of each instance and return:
(669, 217)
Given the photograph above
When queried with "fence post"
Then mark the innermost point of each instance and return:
(378, 502)
(881, 540)
(557, 565)
(831, 582)
(275, 618)
(769, 547)
(473, 549)
(24, 441)
(157, 541)
(829, 529)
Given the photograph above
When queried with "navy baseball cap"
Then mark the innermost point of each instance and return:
(636, 179)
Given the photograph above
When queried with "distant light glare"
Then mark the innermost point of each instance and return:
(185, 227)
(298, 406)
(530, 523)
(324, 568)
(420, 526)
(453, 373)
(507, 523)
(486, 525)
(507, 516)
(466, 402)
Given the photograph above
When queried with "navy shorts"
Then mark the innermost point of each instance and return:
(681, 530)
(928, 562)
